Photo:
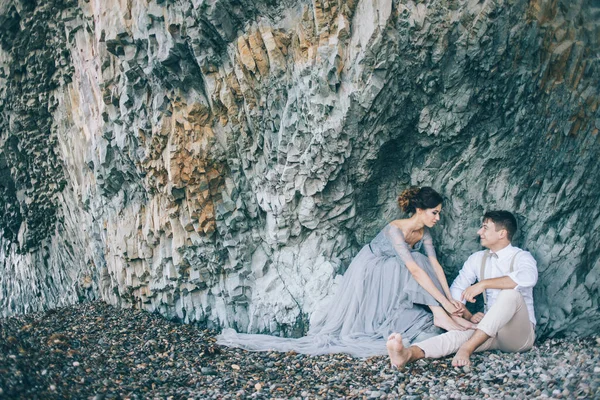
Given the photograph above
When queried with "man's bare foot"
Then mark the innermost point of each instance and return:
(464, 323)
(399, 355)
(444, 321)
(462, 358)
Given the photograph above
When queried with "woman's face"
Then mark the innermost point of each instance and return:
(430, 216)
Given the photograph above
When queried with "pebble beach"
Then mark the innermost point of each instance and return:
(96, 351)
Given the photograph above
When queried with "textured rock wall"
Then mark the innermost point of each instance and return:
(222, 161)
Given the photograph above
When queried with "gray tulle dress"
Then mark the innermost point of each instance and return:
(376, 297)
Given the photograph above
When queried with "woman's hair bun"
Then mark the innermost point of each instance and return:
(415, 197)
(406, 196)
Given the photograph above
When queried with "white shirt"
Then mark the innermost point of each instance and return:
(525, 275)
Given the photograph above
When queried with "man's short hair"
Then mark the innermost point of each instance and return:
(503, 220)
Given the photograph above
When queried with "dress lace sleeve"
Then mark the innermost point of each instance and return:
(396, 238)
(428, 244)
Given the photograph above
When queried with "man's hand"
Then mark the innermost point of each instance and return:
(477, 317)
(472, 291)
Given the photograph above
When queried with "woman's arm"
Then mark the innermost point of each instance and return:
(426, 283)
(396, 238)
(439, 272)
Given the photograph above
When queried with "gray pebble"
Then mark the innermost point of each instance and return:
(208, 371)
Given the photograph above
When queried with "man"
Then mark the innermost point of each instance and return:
(506, 276)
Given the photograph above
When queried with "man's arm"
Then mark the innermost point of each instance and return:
(525, 275)
(469, 293)
(466, 277)
(504, 282)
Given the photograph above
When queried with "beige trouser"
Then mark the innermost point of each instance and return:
(506, 323)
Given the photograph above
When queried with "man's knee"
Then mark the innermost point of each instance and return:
(512, 346)
(510, 295)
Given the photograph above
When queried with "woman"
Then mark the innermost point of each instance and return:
(388, 287)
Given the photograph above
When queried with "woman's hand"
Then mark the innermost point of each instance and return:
(451, 308)
(459, 305)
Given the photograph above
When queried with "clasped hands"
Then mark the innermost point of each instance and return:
(457, 308)
(454, 307)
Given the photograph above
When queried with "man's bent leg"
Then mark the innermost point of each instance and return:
(506, 326)
(508, 322)
(518, 334)
(479, 341)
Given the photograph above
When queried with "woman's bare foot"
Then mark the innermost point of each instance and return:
(441, 319)
(444, 321)
(462, 358)
(464, 323)
(399, 355)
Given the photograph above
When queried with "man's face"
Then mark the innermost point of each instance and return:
(488, 235)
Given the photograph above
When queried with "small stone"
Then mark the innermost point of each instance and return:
(75, 363)
(235, 367)
(487, 377)
(208, 371)
(466, 369)
(52, 388)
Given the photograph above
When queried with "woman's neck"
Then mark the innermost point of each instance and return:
(414, 223)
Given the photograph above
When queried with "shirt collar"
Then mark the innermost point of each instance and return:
(505, 252)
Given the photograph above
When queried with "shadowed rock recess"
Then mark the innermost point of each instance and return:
(221, 161)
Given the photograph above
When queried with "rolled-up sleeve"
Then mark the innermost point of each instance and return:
(525, 274)
(466, 277)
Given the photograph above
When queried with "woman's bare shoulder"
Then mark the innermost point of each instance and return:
(398, 223)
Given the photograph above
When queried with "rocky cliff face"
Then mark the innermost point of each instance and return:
(221, 161)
